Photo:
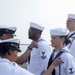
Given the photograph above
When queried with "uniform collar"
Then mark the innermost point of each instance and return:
(7, 61)
(4, 60)
(71, 34)
(41, 39)
(63, 49)
(66, 49)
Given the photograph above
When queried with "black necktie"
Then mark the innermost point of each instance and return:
(29, 58)
(50, 60)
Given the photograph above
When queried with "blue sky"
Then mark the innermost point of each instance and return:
(49, 13)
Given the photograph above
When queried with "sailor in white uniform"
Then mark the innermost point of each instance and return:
(71, 27)
(58, 36)
(39, 57)
(8, 53)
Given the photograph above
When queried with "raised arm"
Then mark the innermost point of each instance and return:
(55, 63)
(23, 58)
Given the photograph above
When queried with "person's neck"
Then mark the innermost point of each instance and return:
(58, 48)
(36, 39)
(8, 57)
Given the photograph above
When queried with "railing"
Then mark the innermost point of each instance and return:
(23, 48)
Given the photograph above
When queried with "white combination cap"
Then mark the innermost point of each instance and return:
(14, 40)
(7, 29)
(71, 16)
(11, 43)
(36, 26)
(59, 32)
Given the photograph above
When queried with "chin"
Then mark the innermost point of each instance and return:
(52, 45)
(29, 37)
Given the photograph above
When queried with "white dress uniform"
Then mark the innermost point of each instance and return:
(68, 65)
(39, 57)
(11, 68)
(71, 45)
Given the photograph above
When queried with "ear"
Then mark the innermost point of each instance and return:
(63, 39)
(10, 52)
(4, 36)
(38, 32)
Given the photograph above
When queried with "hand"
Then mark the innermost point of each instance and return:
(57, 62)
(34, 44)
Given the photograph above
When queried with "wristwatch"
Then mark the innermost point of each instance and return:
(30, 47)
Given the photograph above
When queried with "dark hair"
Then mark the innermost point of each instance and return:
(5, 47)
(67, 41)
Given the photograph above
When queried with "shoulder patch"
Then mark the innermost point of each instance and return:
(43, 55)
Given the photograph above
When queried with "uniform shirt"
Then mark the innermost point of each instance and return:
(11, 68)
(39, 57)
(71, 45)
(68, 65)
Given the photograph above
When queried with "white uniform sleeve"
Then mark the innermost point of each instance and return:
(69, 64)
(44, 54)
(21, 71)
